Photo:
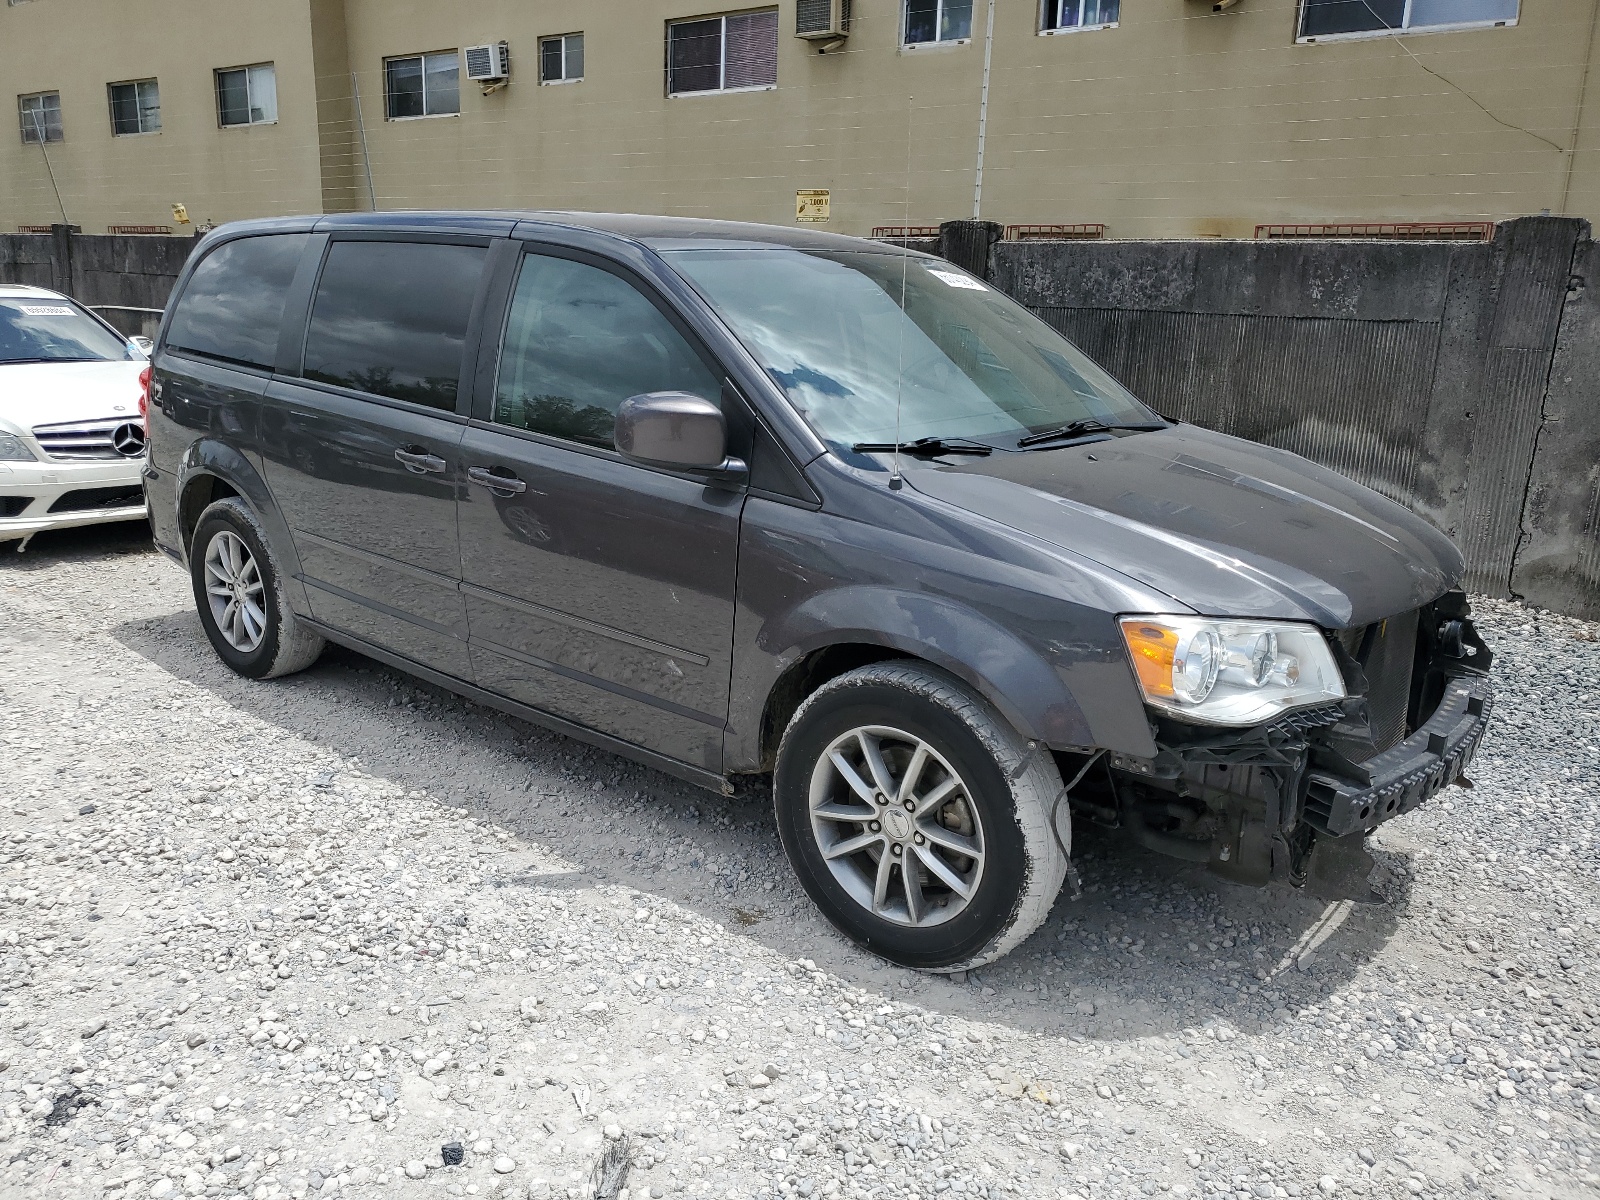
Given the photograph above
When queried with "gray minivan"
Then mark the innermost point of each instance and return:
(737, 500)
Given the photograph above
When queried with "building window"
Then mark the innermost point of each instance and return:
(1367, 18)
(561, 58)
(247, 95)
(1061, 16)
(423, 85)
(930, 21)
(41, 117)
(135, 107)
(738, 52)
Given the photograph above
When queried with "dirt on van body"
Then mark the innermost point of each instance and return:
(346, 933)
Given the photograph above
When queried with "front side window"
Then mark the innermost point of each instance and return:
(579, 341)
(232, 306)
(54, 329)
(929, 21)
(423, 85)
(561, 58)
(1357, 18)
(247, 95)
(957, 360)
(1061, 15)
(390, 319)
(738, 52)
(40, 115)
(135, 107)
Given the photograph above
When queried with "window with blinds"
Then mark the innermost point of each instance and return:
(733, 53)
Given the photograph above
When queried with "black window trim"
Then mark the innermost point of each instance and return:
(738, 413)
(165, 347)
(469, 345)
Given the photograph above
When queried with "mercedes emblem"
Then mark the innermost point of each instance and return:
(128, 440)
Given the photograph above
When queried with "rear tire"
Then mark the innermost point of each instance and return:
(917, 819)
(238, 590)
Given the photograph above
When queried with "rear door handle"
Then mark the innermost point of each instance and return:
(506, 484)
(419, 461)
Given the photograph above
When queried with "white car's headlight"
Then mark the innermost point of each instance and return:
(14, 449)
(1230, 672)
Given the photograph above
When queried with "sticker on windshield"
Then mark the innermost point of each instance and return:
(957, 281)
(46, 310)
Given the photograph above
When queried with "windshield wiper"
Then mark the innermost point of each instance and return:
(15, 362)
(1075, 429)
(930, 447)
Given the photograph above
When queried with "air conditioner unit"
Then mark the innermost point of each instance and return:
(822, 19)
(489, 62)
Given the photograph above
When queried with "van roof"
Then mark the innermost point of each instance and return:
(658, 233)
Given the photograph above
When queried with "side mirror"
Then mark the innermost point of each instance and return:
(677, 430)
(144, 344)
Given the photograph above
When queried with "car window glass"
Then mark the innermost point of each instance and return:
(579, 341)
(390, 318)
(233, 303)
(51, 329)
(873, 347)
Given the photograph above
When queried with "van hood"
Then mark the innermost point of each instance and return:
(52, 393)
(1224, 526)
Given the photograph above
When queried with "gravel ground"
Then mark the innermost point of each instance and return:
(327, 933)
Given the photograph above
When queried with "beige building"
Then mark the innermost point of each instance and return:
(1153, 118)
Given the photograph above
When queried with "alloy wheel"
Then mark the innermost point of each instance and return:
(896, 825)
(235, 591)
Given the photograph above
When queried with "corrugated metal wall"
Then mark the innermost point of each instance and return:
(1419, 369)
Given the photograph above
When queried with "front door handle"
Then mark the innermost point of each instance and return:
(507, 484)
(419, 461)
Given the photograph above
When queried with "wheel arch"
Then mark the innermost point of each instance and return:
(213, 470)
(852, 627)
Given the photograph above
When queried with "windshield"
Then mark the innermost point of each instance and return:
(47, 329)
(962, 360)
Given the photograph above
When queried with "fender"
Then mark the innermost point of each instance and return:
(1013, 676)
(210, 457)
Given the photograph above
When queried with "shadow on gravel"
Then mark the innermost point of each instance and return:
(1151, 946)
(85, 543)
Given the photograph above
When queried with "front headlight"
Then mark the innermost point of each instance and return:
(1230, 672)
(14, 449)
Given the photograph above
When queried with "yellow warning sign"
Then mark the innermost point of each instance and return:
(811, 206)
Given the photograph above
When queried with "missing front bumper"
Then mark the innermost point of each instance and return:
(1344, 797)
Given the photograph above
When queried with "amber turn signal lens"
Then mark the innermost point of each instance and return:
(1153, 649)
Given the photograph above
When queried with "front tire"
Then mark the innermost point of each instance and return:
(917, 819)
(238, 591)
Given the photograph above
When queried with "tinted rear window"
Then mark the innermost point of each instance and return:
(234, 301)
(390, 318)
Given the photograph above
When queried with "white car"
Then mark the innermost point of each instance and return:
(71, 416)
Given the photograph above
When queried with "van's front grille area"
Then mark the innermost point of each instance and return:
(1387, 652)
(115, 437)
(14, 506)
